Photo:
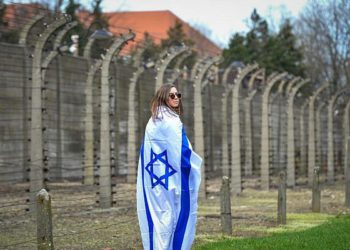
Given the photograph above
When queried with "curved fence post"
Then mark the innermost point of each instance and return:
(45, 66)
(37, 129)
(346, 153)
(236, 176)
(225, 162)
(105, 145)
(290, 134)
(248, 164)
(311, 129)
(303, 143)
(318, 133)
(330, 136)
(87, 49)
(89, 125)
(198, 120)
(177, 70)
(132, 156)
(89, 148)
(265, 141)
(164, 61)
(23, 36)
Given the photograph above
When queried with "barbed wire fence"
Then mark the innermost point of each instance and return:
(73, 124)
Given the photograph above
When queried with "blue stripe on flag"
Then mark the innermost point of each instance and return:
(185, 193)
(149, 218)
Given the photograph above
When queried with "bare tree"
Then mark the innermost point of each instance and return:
(324, 31)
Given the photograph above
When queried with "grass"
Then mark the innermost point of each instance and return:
(333, 234)
(78, 223)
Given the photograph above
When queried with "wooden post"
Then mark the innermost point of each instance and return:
(282, 199)
(226, 219)
(346, 137)
(347, 183)
(44, 220)
(347, 177)
(316, 192)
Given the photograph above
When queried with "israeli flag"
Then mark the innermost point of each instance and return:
(167, 185)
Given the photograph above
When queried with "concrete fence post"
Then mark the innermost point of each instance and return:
(316, 191)
(45, 66)
(318, 133)
(330, 135)
(165, 59)
(105, 133)
(44, 220)
(177, 71)
(236, 173)
(311, 133)
(290, 134)
(23, 40)
(224, 124)
(226, 218)
(303, 144)
(330, 142)
(265, 140)
(198, 119)
(132, 122)
(282, 199)
(94, 67)
(248, 163)
(38, 92)
(23, 36)
(89, 125)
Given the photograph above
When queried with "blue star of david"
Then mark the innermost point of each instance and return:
(168, 170)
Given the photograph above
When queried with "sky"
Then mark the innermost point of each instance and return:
(222, 17)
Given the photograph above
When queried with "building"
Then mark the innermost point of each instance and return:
(156, 23)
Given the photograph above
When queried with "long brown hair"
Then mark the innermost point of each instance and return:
(160, 99)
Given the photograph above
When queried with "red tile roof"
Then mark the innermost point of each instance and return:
(156, 23)
(17, 15)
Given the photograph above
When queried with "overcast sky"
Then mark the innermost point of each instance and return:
(221, 17)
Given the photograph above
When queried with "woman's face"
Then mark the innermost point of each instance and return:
(173, 99)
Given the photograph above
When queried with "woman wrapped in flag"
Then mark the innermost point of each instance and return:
(168, 177)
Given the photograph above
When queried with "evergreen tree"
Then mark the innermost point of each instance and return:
(176, 37)
(290, 56)
(274, 52)
(237, 50)
(151, 50)
(71, 8)
(98, 14)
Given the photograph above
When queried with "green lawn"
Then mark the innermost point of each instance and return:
(333, 234)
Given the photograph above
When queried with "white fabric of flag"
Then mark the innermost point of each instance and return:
(167, 185)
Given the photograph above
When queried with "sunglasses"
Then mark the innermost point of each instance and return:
(172, 95)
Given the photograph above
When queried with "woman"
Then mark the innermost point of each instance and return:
(168, 177)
